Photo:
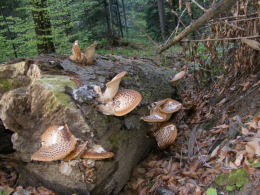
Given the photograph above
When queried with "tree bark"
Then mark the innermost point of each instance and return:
(217, 9)
(119, 19)
(107, 17)
(124, 12)
(162, 17)
(110, 17)
(42, 26)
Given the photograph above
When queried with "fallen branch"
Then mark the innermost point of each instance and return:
(223, 39)
(196, 3)
(217, 9)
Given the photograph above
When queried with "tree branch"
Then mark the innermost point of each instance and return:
(217, 9)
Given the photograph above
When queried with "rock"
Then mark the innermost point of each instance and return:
(30, 105)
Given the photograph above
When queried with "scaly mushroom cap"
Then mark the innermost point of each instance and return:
(90, 53)
(97, 153)
(76, 54)
(155, 116)
(57, 142)
(166, 135)
(178, 76)
(34, 72)
(76, 152)
(125, 101)
(111, 88)
(170, 106)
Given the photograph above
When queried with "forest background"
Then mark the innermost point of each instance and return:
(32, 27)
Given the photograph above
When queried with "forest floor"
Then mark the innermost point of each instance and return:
(217, 144)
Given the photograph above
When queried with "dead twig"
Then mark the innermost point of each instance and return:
(223, 39)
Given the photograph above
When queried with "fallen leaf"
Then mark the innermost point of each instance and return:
(253, 147)
(245, 85)
(244, 131)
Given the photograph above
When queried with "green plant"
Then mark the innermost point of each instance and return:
(211, 191)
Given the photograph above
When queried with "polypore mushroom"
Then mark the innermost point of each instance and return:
(57, 143)
(155, 116)
(179, 76)
(97, 153)
(170, 106)
(76, 54)
(76, 152)
(90, 53)
(111, 88)
(166, 135)
(124, 102)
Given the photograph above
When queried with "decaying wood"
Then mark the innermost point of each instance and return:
(217, 9)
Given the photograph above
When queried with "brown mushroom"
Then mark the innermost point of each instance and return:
(97, 153)
(57, 143)
(179, 76)
(124, 102)
(155, 116)
(90, 53)
(76, 152)
(166, 135)
(170, 106)
(111, 88)
(76, 54)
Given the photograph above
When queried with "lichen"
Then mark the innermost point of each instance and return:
(237, 177)
(56, 84)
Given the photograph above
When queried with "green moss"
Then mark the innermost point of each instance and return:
(56, 84)
(5, 85)
(237, 177)
(115, 141)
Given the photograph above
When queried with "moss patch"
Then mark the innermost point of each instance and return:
(5, 85)
(237, 178)
(56, 84)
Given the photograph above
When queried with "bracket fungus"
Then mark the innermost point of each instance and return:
(57, 143)
(162, 110)
(76, 152)
(90, 54)
(85, 58)
(124, 102)
(166, 135)
(111, 88)
(97, 153)
(179, 76)
(76, 54)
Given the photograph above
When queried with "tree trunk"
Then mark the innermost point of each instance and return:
(42, 26)
(119, 19)
(110, 17)
(9, 34)
(162, 18)
(107, 18)
(126, 29)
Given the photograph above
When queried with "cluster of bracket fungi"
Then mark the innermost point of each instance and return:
(58, 142)
(88, 57)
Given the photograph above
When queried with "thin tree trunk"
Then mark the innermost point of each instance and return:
(119, 19)
(124, 12)
(162, 17)
(107, 18)
(110, 17)
(42, 26)
(9, 34)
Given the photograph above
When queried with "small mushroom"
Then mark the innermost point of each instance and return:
(179, 76)
(155, 116)
(90, 54)
(97, 153)
(166, 135)
(76, 54)
(76, 152)
(124, 102)
(57, 143)
(170, 106)
(111, 88)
